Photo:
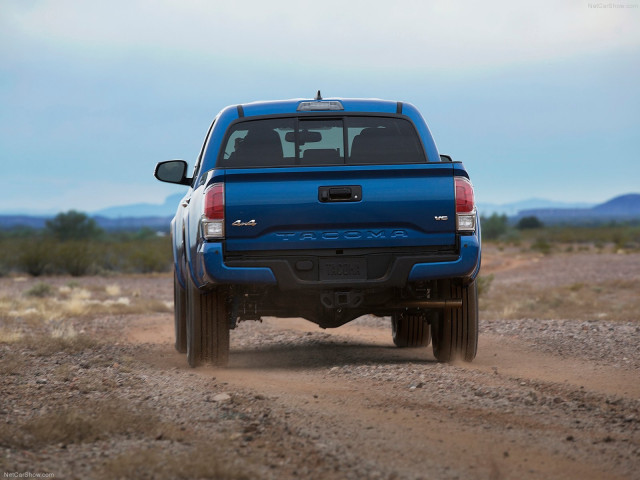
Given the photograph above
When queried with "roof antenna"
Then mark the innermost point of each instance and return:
(318, 96)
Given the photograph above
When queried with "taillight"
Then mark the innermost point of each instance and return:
(213, 215)
(464, 195)
(465, 205)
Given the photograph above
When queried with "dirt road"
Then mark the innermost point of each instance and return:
(92, 387)
(392, 413)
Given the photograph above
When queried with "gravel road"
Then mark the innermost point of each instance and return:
(545, 398)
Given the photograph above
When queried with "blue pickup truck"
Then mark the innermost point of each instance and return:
(326, 209)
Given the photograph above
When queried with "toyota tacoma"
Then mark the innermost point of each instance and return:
(326, 209)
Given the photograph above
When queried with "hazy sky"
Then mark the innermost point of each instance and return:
(538, 99)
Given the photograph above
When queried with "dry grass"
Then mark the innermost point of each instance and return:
(10, 335)
(40, 289)
(43, 303)
(113, 290)
(11, 363)
(43, 331)
(44, 345)
(200, 461)
(86, 424)
(578, 285)
(616, 300)
(48, 320)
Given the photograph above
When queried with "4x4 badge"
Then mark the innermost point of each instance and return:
(441, 217)
(240, 223)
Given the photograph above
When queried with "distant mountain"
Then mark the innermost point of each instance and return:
(11, 221)
(121, 223)
(125, 217)
(166, 209)
(160, 224)
(512, 209)
(158, 216)
(624, 207)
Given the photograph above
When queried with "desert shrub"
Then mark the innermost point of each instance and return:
(112, 256)
(201, 460)
(38, 254)
(81, 424)
(576, 287)
(145, 233)
(34, 256)
(47, 345)
(39, 290)
(149, 260)
(529, 223)
(494, 226)
(148, 255)
(74, 257)
(619, 235)
(136, 256)
(542, 246)
(511, 237)
(73, 225)
(7, 256)
(484, 283)
(4, 268)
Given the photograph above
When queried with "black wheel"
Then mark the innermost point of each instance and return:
(180, 314)
(410, 330)
(207, 326)
(455, 331)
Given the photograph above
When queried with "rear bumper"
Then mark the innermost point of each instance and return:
(215, 271)
(281, 271)
(466, 266)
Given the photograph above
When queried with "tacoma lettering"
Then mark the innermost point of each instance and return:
(348, 235)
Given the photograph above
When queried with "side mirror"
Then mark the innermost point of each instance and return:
(446, 158)
(172, 171)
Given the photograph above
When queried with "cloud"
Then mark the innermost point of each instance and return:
(407, 34)
(103, 90)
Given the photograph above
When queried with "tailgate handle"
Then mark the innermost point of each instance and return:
(340, 193)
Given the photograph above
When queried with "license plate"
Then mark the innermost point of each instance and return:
(343, 269)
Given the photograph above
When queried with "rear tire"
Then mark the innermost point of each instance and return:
(207, 326)
(455, 332)
(180, 314)
(410, 330)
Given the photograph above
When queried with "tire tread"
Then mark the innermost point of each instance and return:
(180, 315)
(410, 330)
(455, 334)
(207, 327)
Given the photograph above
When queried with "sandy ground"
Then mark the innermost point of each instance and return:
(352, 390)
(300, 402)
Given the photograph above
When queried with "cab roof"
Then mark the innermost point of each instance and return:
(301, 105)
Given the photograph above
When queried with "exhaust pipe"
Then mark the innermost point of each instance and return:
(452, 303)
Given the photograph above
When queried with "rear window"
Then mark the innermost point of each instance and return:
(296, 141)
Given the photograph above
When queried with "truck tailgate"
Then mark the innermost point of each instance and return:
(377, 206)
